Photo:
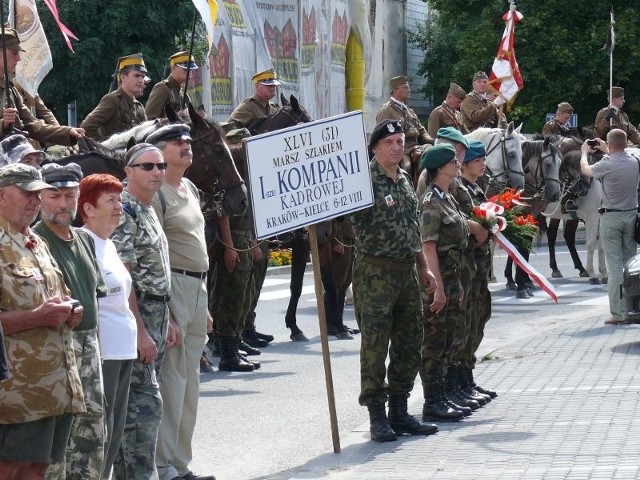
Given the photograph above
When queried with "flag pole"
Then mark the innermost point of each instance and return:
(612, 35)
(7, 91)
(193, 34)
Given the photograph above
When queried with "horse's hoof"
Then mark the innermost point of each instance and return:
(605, 280)
(298, 337)
(511, 285)
(594, 281)
(556, 274)
(584, 274)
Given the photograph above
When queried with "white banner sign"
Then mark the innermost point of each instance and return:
(308, 173)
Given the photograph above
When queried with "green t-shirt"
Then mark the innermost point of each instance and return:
(76, 260)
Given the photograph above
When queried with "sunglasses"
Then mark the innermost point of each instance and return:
(148, 166)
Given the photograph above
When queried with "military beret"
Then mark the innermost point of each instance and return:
(480, 76)
(384, 129)
(395, 82)
(452, 134)
(11, 40)
(617, 92)
(437, 156)
(457, 91)
(177, 131)
(565, 107)
(268, 77)
(23, 176)
(183, 60)
(133, 62)
(15, 147)
(476, 150)
(62, 176)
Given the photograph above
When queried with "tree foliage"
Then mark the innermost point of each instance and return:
(108, 30)
(559, 47)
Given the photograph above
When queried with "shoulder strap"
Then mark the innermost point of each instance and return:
(129, 210)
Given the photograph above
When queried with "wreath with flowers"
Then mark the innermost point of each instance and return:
(520, 227)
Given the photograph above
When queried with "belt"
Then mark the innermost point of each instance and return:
(388, 263)
(605, 210)
(200, 275)
(152, 297)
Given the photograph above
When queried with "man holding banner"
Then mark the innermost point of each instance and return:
(386, 289)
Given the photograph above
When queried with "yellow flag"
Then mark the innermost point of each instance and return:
(208, 10)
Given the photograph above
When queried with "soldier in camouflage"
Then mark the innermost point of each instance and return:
(74, 251)
(387, 272)
(143, 249)
(36, 314)
(445, 233)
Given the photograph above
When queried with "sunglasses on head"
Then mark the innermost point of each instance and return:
(148, 166)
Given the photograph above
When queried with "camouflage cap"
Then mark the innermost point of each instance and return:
(62, 176)
(23, 176)
(178, 131)
(480, 76)
(565, 107)
(11, 40)
(452, 134)
(437, 156)
(398, 81)
(384, 129)
(457, 91)
(617, 92)
(476, 150)
(15, 147)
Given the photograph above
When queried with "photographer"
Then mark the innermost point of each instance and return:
(613, 117)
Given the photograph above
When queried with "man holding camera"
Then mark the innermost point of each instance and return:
(74, 251)
(613, 117)
(36, 313)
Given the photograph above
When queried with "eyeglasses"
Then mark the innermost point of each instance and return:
(148, 166)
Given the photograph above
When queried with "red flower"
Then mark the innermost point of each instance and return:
(31, 243)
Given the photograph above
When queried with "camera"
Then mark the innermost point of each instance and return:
(592, 142)
(74, 304)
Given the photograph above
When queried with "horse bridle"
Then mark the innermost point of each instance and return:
(222, 188)
(507, 170)
(287, 110)
(539, 173)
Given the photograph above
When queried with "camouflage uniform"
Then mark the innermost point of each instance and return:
(47, 384)
(620, 120)
(250, 110)
(553, 127)
(414, 131)
(76, 258)
(445, 116)
(386, 288)
(116, 112)
(167, 92)
(141, 243)
(478, 112)
(443, 223)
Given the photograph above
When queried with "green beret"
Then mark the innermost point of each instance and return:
(452, 134)
(437, 156)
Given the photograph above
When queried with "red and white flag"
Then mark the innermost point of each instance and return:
(505, 78)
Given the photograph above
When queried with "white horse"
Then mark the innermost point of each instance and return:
(139, 133)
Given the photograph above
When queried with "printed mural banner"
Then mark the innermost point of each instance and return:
(242, 49)
(340, 25)
(311, 83)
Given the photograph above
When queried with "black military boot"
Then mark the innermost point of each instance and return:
(230, 360)
(246, 348)
(468, 390)
(265, 336)
(467, 375)
(380, 429)
(435, 407)
(401, 422)
(251, 337)
(466, 411)
(453, 392)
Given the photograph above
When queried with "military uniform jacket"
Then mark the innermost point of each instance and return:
(414, 132)
(478, 112)
(37, 129)
(620, 120)
(166, 92)
(42, 111)
(44, 379)
(445, 116)
(443, 222)
(250, 110)
(553, 127)
(115, 113)
(141, 243)
(390, 228)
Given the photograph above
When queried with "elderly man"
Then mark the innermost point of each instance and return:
(37, 315)
(170, 91)
(478, 109)
(613, 117)
(396, 109)
(119, 111)
(558, 125)
(142, 246)
(386, 289)
(17, 115)
(177, 205)
(17, 148)
(74, 252)
(618, 172)
(448, 114)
